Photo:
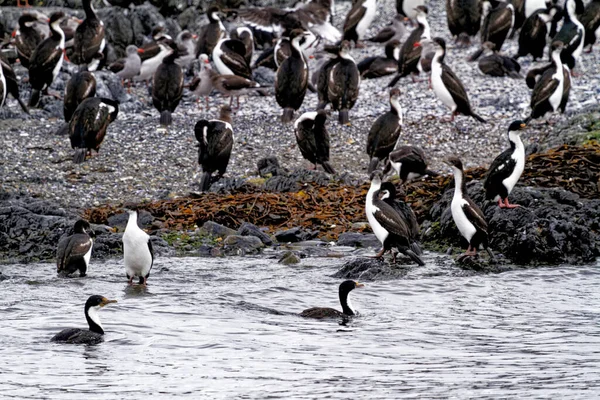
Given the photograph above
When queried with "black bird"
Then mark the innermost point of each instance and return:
(497, 24)
(344, 83)
(215, 138)
(81, 86)
(495, 64)
(549, 91)
(95, 334)
(408, 8)
(27, 38)
(532, 38)
(389, 194)
(409, 163)
(387, 224)
(11, 85)
(244, 35)
(384, 132)
(322, 83)
(313, 139)
(571, 34)
(394, 31)
(47, 59)
(210, 34)
(229, 56)
(167, 86)
(358, 20)
(410, 52)
(88, 125)
(74, 251)
(506, 169)
(325, 312)
(375, 67)
(291, 80)
(463, 18)
(446, 85)
(590, 19)
(89, 41)
(468, 217)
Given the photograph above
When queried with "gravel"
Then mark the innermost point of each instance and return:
(138, 161)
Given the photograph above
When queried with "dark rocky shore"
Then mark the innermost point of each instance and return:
(266, 207)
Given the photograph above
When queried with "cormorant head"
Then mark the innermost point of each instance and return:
(82, 226)
(376, 177)
(345, 47)
(440, 42)
(454, 162)
(56, 17)
(97, 301)
(27, 20)
(422, 10)
(517, 126)
(214, 13)
(395, 94)
(296, 36)
(349, 285)
(557, 46)
(387, 191)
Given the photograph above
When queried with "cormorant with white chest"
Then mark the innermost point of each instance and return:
(12, 84)
(325, 312)
(74, 251)
(137, 251)
(210, 34)
(358, 20)
(384, 132)
(548, 93)
(506, 169)
(468, 217)
(95, 334)
(375, 67)
(291, 80)
(390, 195)
(572, 35)
(215, 139)
(313, 139)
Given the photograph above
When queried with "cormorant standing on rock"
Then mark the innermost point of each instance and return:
(167, 86)
(47, 59)
(81, 86)
(468, 217)
(532, 38)
(384, 132)
(313, 139)
(389, 194)
(497, 24)
(325, 312)
(344, 83)
(95, 334)
(549, 91)
(89, 41)
(88, 125)
(291, 80)
(506, 169)
(137, 251)
(215, 139)
(74, 251)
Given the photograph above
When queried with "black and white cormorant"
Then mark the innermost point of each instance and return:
(358, 20)
(89, 41)
(167, 86)
(506, 169)
(427, 53)
(210, 34)
(572, 35)
(47, 59)
(496, 25)
(129, 67)
(344, 83)
(549, 91)
(138, 255)
(27, 38)
(244, 34)
(215, 142)
(81, 86)
(229, 58)
(313, 139)
(396, 200)
(88, 125)
(325, 312)
(590, 19)
(495, 64)
(532, 38)
(10, 84)
(95, 334)
(375, 67)
(384, 132)
(463, 19)
(467, 215)
(446, 85)
(283, 47)
(291, 80)
(387, 224)
(395, 30)
(410, 52)
(74, 251)
(408, 8)
(409, 162)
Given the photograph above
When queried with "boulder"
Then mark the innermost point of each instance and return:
(289, 258)
(295, 235)
(242, 245)
(369, 269)
(248, 229)
(360, 240)
(213, 229)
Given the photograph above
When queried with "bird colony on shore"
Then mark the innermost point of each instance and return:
(221, 60)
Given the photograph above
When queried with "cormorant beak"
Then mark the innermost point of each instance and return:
(357, 284)
(140, 50)
(523, 126)
(106, 301)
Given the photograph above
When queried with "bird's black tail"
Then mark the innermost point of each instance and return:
(205, 182)
(343, 117)
(35, 98)
(395, 80)
(23, 105)
(288, 115)
(476, 55)
(477, 117)
(415, 257)
(79, 155)
(373, 165)
(416, 248)
(327, 167)
(63, 130)
(431, 173)
(165, 118)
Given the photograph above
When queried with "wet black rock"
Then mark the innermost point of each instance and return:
(242, 245)
(294, 181)
(269, 166)
(248, 229)
(294, 235)
(289, 258)
(3, 277)
(370, 269)
(210, 228)
(552, 226)
(356, 239)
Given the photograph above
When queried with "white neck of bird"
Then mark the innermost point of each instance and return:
(345, 54)
(375, 186)
(93, 314)
(349, 304)
(396, 106)
(296, 43)
(56, 27)
(516, 139)
(427, 29)
(571, 9)
(132, 220)
(557, 60)
(458, 181)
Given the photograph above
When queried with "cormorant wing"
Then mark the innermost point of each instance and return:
(390, 219)
(475, 215)
(456, 88)
(354, 16)
(544, 88)
(501, 168)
